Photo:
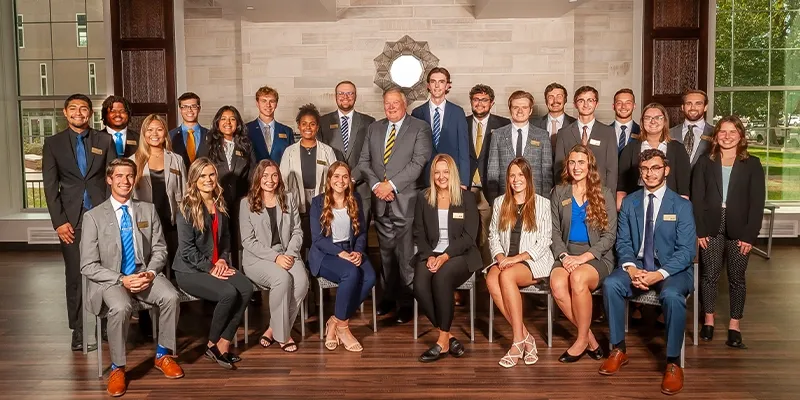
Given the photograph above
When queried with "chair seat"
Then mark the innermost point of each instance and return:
(468, 284)
(326, 284)
(649, 298)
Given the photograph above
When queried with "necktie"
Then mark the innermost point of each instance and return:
(585, 136)
(478, 148)
(268, 138)
(553, 127)
(688, 140)
(191, 148)
(345, 132)
(519, 143)
(622, 138)
(437, 127)
(649, 252)
(387, 153)
(126, 239)
(80, 154)
(118, 143)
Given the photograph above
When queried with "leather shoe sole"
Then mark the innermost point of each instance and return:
(609, 373)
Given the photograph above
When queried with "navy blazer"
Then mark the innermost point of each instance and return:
(675, 237)
(322, 245)
(635, 130)
(179, 145)
(454, 139)
(282, 137)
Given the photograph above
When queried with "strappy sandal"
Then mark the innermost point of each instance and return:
(288, 345)
(266, 341)
(331, 340)
(510, 360)
(530, 357)
(354, 346)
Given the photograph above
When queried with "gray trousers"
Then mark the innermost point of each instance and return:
(396, 242)
(119, 302)
(287, 289)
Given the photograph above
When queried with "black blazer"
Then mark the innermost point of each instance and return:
(196, 248)
(63, 182)
(479, 161)
(462, 232)
(131, 142)
(235, 181)
(680, 170)
(745, 202)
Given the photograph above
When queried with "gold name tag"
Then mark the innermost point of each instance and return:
(535, 143)
(634, 136)
(670, 217)
(566, 202)
(95, 150)
(334, 126)
(238, 153)
(458, 215)
(594, 142)
(131, 142)
(705, 137)
(322, 162)
(142, 224)
(175, 171)
(282, 136)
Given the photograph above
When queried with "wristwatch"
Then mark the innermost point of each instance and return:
(562, 256)
(119, 281)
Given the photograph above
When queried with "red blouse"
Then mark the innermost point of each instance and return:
(215, 231)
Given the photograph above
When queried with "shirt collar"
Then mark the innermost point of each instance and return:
(123, 131)
(590, 125)
(262, 124)
(477, 120)
(117, 205)
(397, 124)
(698, 124)
(659, 193)
(628, 124)
(560, 118)
(185, 129)
(434, 106)
(83, 133)
(523, 127)
(348, 115)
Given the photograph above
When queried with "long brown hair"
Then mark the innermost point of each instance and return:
(596, 215)
(326, 218)
(741, 148)
(142, 154)
(192, 205)
(256, 194)
(508, 210)
(665, 137)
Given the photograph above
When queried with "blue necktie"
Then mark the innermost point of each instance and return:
(437, 127)
(622, 140)
(126, 239)
(80, 154)
(649, 252)
(118, 142)
(345, 133)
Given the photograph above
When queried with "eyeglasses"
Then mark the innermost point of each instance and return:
(186, 107)
(657, 118)
(347, 94)
(654, 169)
(587, 101)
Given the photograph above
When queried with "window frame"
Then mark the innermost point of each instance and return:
(44, 82)
(79, 28)
(20, 31)
(92, 79)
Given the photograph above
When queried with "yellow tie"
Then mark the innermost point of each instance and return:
(190, 146)
(478, 147)
(387, 154)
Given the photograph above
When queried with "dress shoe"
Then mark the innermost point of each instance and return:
(385, 307)
(117, 384)
(614, 362)
(457, 299)
(213, 354)
(77, 341)
(735, 339)
(673, 380)
(169, 367)
(432, 354)
(456, 348)
(596, 354)
(404, 314)
(569, 358)
(707, 333)
(232, 358)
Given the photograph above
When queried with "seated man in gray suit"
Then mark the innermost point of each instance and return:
(695, 104)
(122, 254)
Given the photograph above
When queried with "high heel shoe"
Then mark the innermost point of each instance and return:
(530, 357)
(510, 360)
(331, 340)
(343, 336)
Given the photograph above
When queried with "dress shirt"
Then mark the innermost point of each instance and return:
(263, 125)
(118, 212)
(588, 131)
(123, 131)
(699, 128)
(659, 197)
(559, 123)
(195, 132)
(397, 126)
(514, 135)
(229, 146)
(618, 128)
(433, 108)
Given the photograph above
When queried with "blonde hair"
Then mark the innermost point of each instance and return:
(453, 182)
(192, 205)
(142, 154)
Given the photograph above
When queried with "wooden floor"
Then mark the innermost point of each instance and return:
(37, 362)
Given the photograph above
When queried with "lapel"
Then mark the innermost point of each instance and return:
(354, 123)
(566, 210)
(638, 209)
(94, 139)
(666, 207)
(67, 144)
(257, 138)
(735, 173)
(320, 168)
(426, 113)
(472, 152)
(529, 146)
(114, 226)
(576, 132)
(508, 138)
(399, 136)
(138, 216)
(716, 170)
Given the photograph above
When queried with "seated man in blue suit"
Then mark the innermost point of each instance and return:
(269, 137)
(655, 248)
(189, 138)
(448, 124)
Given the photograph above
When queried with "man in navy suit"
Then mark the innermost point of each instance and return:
(189, 139)
(448, 124)
(624, 126)
(269, 137)
(656, 241)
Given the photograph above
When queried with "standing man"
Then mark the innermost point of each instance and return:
(624, 125)
(73, 169)
(519, 139)
(122, 254)
(392, 160)
(597, 136)
(116, 111)
(345, 130)
(698, 143)
(555, 96)
(189, 139)
(269, 137)
(448, 124)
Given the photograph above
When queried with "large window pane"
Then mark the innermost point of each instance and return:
(785, 30)
(722, 70)
(750, 68)
(750, 30)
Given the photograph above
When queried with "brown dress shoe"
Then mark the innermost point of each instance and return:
(673, 380)
(614, 362)
(117, 384)
(169, 367)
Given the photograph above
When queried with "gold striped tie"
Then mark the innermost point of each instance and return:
(389, 145)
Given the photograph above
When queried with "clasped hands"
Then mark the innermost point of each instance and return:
(284, 261)
(504, 262)
(642, 279)
(136, 283)
(221, 270)
(384, 191)
(353, 256)
(434, 263)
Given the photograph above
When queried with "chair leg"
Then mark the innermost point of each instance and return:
(321, 322)
(84, 313)
(683, 353)
(549, 320)
(246, 324)
(374, 312)
(627, 308)
(695, 332)
(154, 312)
(303, 319)
(472, 313)
(362, 308)
(99, 349)
(491, 318)
(415, 319)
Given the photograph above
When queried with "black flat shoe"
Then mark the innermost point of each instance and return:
(456, 348)
(596, 354)
(707, 333)
(432, 354)
(213, 354)
(77, 342)
(569, 358)
(385, 307)
(232, 358)
(735, 340)
(404, 315)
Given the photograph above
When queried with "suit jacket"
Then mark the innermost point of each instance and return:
(635, 130)
(101, 248)
(256, 232)
(501, 153)
(322, 245)
(680, 172)
(602, 142)
(480, 161)
(542, 121)
(131, 141)
(535, 243)
(412, 150)
(454, 139)
(235, 180)
(174, 180)
(676, 133)
(601, 242)
(195, 248)
(282, 137)
(675, 238)
(179, 144)
(330, 133)
(462, 230)
(292, 172)
(744, 204)
(63, 182)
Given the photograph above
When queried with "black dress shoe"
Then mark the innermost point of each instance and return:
(232, 358)
(213, 354)
(404, 314)
(735, 340)
(77, 342)
(385, 307)
(432, 354)
(596, 354)
(456, 348)
(707, 332)
(569, 358)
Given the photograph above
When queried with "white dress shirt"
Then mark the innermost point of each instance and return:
(659, 197)
(228, 146)
(444, 239)
(349, 120)
(588, 130)
(559, 123)
(628, 127)
(699, 128)
(118, 212)
(433, 108)
(124, 133)
(515, 134)
(397, 126)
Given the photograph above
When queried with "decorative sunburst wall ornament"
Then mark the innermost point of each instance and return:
(404, 64)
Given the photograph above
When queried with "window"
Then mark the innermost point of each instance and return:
(92, 79)
(43, 79)
(20, 32)
(82, 31)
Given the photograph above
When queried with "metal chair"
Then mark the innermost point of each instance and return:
(468, 285)
(302, 316)
(326, 284)
(532, 289)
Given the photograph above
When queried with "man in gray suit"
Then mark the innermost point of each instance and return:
(598, 137)
(555, 97)
(122, 254)
(345, 130)
(392, 160)
(695, 104)
(520, 138)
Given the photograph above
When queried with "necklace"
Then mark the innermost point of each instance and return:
(308, 149)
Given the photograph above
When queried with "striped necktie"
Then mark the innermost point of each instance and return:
(622, 137)
(437, 127)
(126, 239)
(345, 132)
(387, 154)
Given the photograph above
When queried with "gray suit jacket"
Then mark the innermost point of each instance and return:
(501, 152)
(256, 233)
(412, 150)
(602, 142)
(676, 133)
(101, 248)
(175, 181)
(601, 243)
(330, 133)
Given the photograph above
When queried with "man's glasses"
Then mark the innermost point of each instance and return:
(654, 169)
(194, 107)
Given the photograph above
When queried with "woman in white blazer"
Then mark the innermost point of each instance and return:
(519, 241)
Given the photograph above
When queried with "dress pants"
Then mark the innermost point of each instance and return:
(722, 249)
(72, 273)
(434, 291)
(355, 282)
(119, 302)
(672, 294)
(287, 289)
(231, 295)
(396, 241)
(485, 212)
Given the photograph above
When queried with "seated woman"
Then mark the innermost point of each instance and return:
(338, 243)
(519, 240)
(445, 232)
(202, 265)
(584, 232)
(271, 237)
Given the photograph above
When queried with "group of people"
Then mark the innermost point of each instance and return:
(557, 200)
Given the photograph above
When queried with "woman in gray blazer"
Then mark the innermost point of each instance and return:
(269, 224)
(584, 232)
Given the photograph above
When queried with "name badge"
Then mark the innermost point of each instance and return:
(535, 143)
(705, 137)
(594, 142)
(281, 136)
(142, 224)
(131, 142)
(334, 126)
(566, 202)
(322, 162)
(458, 215)
(238, 153)
(97, 151)
(175, 171)
(634, 136)
(670, 217)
